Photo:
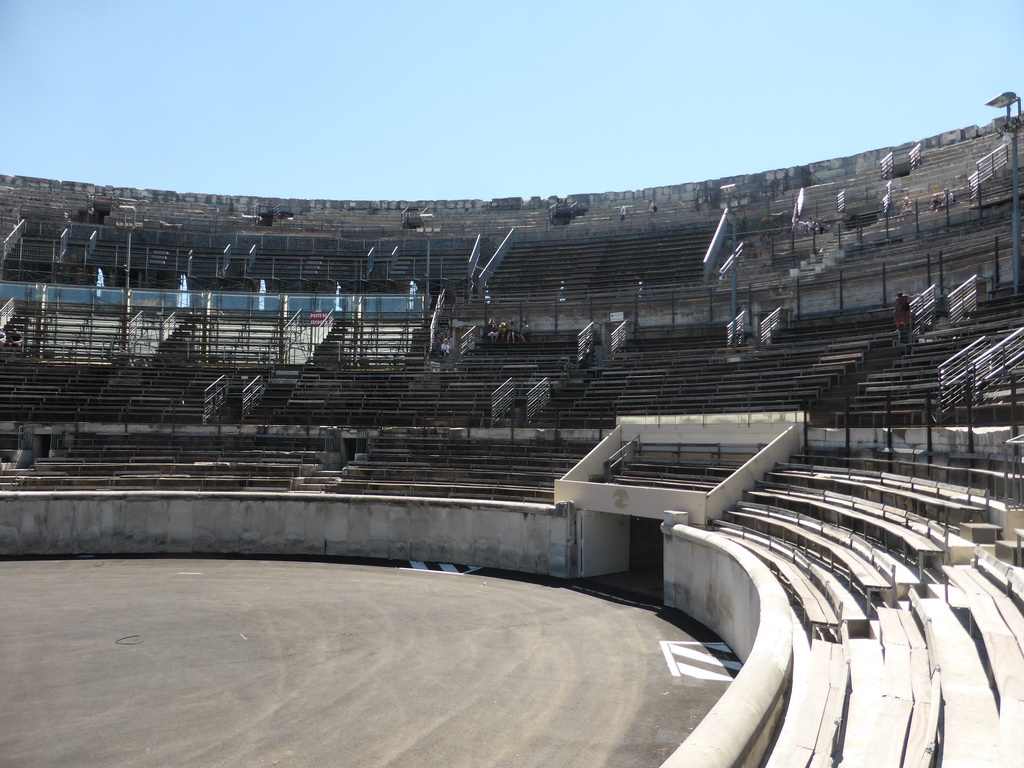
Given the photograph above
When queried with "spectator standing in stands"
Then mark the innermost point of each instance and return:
(622, 213)
(901, 315)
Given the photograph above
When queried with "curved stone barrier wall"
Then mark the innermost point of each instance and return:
(532, 538)
(725, 587)
(713, 580)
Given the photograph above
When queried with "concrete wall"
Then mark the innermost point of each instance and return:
(533, 538)
(706, 576)
(724, 586)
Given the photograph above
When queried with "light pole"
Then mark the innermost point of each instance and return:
(1011, 126)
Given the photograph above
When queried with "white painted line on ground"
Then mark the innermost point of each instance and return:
(676, 650)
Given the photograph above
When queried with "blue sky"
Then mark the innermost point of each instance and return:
(474, 100)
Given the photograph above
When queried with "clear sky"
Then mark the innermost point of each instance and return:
(478, 100)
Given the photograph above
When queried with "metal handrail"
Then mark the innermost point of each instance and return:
(615, 463)
(214, 397)
(887, 163)
(953, 374)
(290, 333)
(502, 400)
(963, 300)
(915, 156)
(986, 167)
(12, 239)
(538, 396)
(467, 341)
(618, 337)
(134, 331)
(584, 343)
(998, 359)
(6, 312)
(769, 325)
(922, 310)
(252, 393)
(735, 329)
(435, 320)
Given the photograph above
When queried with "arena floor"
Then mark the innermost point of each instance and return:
(215, 662)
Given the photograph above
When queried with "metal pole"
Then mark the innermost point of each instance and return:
(1016, 209)
(995, 262)
(733, 305)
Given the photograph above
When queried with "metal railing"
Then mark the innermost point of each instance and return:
(954, 373)
(998, 360)
(584, 344)
(922, 310)
(214, 398)
(769, 325)
(502, 400)
(435, 321)
(887, 164)
(538, 396)
(736, 330)
(616, 463)
(290, 334)
(979, 367)
(134, 332)
(963, 300)
(618, 337)
(252, 393)
(6, 312)
(986, 168)
(915, 156)
(12, 239)
(467, 341)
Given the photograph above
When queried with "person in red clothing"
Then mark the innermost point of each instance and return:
(901, 315)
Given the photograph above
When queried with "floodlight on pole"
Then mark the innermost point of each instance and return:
(1012, 126)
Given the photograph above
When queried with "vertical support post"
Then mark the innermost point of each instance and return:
(733, 303)
(970, 412)
(846, 424)
(1016, 205)
(928, 418)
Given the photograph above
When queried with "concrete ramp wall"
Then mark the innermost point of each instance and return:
(725, 587)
